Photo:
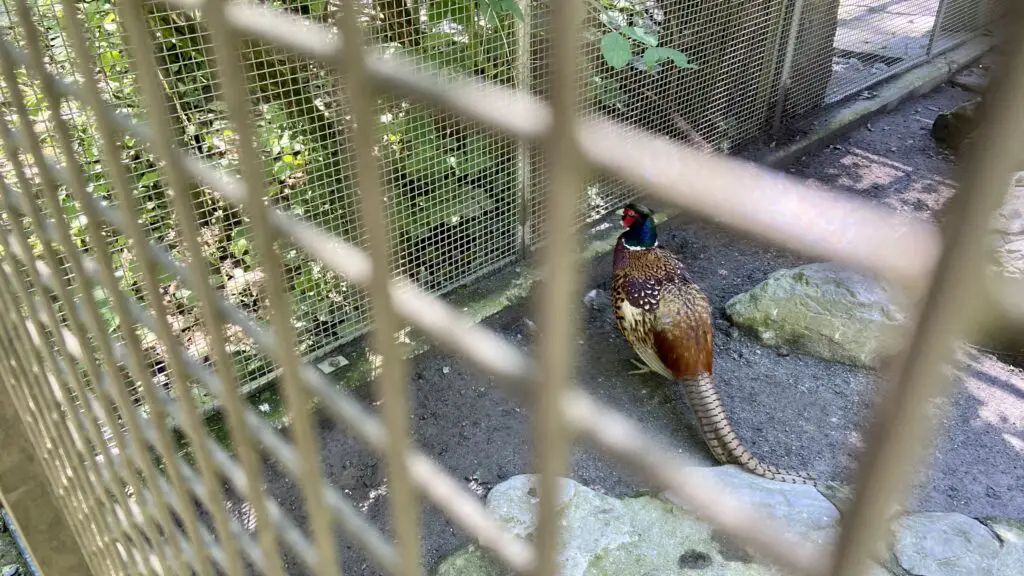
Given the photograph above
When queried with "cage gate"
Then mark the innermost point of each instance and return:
(172, 241)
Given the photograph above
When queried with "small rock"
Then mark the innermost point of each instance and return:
(592, 298)
(446, 369)
(10, 570)
(782, 351)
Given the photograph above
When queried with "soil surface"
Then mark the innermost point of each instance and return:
(791, 410)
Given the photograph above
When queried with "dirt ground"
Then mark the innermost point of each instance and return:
(791, 410)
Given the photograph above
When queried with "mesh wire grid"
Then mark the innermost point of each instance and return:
(456, 195)
(154, 514)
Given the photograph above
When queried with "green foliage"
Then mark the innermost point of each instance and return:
(655, 55)
(625, 34)
(451, 188)
(615, 49)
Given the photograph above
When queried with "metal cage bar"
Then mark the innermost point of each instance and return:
(391, 382)
(747, 199)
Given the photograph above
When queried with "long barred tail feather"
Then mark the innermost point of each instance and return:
(705, 401)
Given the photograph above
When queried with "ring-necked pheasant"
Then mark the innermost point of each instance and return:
(666, 318)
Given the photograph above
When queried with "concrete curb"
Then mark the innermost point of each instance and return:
(849, 116)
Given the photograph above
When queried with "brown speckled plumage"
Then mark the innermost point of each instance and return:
(666, 318)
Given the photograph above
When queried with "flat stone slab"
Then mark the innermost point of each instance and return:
(643, 536)
(801, 508)
(823, 310)
(604, 536)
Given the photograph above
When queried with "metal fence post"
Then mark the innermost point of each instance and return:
(29, 501)
(940, 15)
(524, 150)
(787, 66)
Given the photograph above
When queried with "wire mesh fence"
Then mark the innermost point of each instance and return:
(189, 188)
(463, 201)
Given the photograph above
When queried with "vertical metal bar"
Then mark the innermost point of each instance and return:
(940, 15)
(558, 308)
(26, 494)
(787, 66)
(953, 309)
(49, 189)
(296, 396)
(213, 321)
(85, 284)
(524, 75)
(391, 383)
(134, 21)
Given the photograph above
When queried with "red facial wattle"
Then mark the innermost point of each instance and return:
(628, 218)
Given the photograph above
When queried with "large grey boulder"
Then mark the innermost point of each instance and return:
(826, 311)
(1008, 228)
(1011, 558)
(647, 535)
(945, 544)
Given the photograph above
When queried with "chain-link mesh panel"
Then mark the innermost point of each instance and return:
(870, 42)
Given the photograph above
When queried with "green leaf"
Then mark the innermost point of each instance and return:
(149, 178)
(489, 10)
(655, 55)
(615, 49)
(460, 11)
(477, 156)
(239, 247)
(109, 23)
(512, 7)
(437, 10)
(417, 217)
(240, 241)
(282, 170)
(641, 35)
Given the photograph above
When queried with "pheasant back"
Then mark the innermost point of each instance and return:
(666, 318)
